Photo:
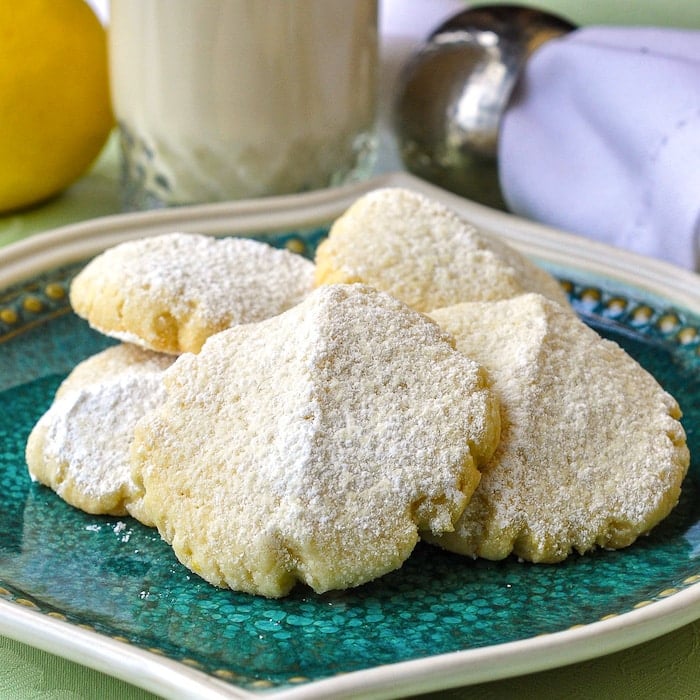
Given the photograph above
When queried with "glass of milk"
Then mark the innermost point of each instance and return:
(227, 99)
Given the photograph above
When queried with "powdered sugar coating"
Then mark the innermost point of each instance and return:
(170, 292)
(315, 445)
(80, 446)
(592, 452)
(110, 364)
(423, 253)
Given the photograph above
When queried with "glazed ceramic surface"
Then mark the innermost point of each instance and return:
(109, 592)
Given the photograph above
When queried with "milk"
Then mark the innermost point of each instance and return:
(226, 99)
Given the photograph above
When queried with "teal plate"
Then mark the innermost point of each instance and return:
(63, 571)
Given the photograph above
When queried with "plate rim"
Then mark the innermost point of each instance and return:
(60, 246)
(174, 679)
(74, 242)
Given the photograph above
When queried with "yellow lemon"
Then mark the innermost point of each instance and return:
(55, 111)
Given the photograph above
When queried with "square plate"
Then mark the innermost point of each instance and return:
(108, 593)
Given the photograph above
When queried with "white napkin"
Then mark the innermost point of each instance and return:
(603, 139)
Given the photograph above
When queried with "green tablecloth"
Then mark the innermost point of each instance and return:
(668, 667)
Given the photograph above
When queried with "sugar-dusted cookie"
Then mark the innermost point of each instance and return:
(169, 293)
(592, 452)
(315, 445)
(110, 364)
(421, 252)
(80, 446)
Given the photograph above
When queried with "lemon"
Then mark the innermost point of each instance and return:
(55, 111)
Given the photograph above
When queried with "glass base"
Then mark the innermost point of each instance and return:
(154, 177)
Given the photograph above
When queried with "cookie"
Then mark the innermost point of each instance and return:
(110, 364)
(423, 253)
(80, 446)
(314, 446)
(169, 293)
(592, 453)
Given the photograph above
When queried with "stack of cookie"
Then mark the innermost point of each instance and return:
(280, 420)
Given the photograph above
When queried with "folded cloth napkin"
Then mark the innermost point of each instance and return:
(602, 138)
